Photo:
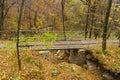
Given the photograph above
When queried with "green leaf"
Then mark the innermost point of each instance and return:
(15, 78)
(28, 59)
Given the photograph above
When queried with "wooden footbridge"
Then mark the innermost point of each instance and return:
(70, 44)
(63, 41)
(66, 45)
(58, 45)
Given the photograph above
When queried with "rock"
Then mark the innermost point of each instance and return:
(61, 54)
(92, 66)
(2, 46)
(45, 54)
(55, 73)
(42, 52)
(58, 53)
(81, 51)
(107, 76)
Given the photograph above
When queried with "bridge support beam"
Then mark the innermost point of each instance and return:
(77, 56)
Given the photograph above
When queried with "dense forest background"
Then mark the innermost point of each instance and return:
(46, 15)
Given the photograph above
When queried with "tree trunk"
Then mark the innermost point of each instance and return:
(47, 11)
(119, 43)
(105, 29)
(91, 29)
(63, 20)
(30, 23)
(3, 13)
(93, 23)
(1, 16)
(18, 33)
(35, 17)
(87, 19)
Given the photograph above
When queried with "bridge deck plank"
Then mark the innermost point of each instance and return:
(62, 45)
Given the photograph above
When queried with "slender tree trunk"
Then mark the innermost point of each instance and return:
(109, 33)
(91, 28)
(18, 33)
(101, 20)
(30, 23)
(1, 16)
(63, 20)
(35, 17)
(105, 29)
(119, 43)
(93, 23)
(53, 23)
(118, 37)
(87, 19)
(47, 14)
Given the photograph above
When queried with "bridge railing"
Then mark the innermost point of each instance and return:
(49, 36)
(35, 34)
(38, 35)
(12, 33)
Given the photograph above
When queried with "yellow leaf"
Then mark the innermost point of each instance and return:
(110, 18)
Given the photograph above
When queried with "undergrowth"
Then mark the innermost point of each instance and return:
(36, 68)
(110, 58)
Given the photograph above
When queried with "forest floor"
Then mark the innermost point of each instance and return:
(35, 67)
(110, 59)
